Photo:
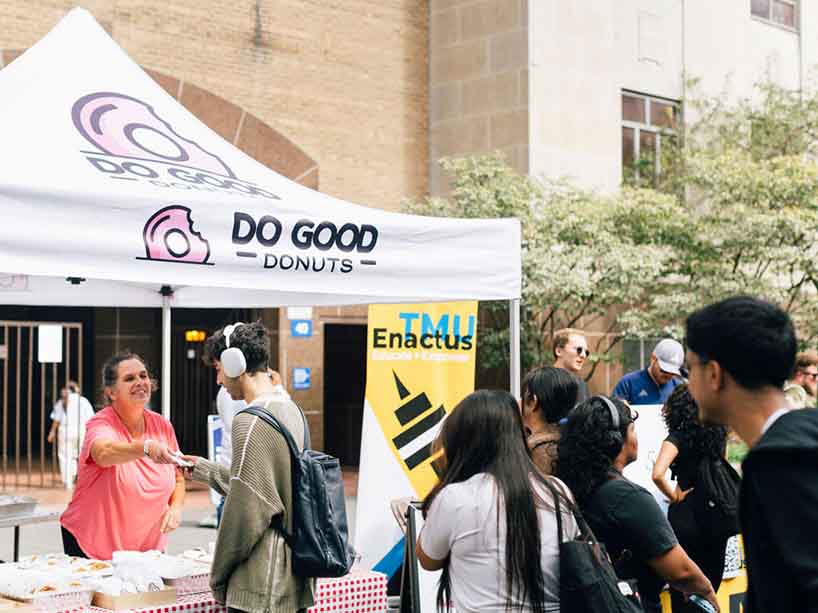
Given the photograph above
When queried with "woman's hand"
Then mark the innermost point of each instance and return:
(171, 520)
(711, 598)
(400, 506)
(159, 452)
(680, 494)
(51, 437)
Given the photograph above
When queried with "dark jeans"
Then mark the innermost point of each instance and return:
(219, 511)
(70, 545)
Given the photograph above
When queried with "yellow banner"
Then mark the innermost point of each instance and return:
(420, 364)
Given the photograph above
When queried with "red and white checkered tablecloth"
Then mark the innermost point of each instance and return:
(191, 603)
(358, 592)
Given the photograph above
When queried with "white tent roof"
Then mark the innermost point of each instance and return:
(104, 176)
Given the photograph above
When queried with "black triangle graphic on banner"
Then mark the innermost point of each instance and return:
(402, 391)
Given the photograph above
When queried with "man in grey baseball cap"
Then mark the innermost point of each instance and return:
(654, 384)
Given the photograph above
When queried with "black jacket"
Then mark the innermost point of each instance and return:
(779, 516)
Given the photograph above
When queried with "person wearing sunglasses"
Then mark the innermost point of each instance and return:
(570, 351)
(801, 389)
(654, 384)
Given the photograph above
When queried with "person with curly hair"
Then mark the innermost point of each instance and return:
(252, 564)
(548, 394)
(491, 524)
(689, 441)
(597, 442)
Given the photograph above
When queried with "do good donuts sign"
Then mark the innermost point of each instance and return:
(132, 142)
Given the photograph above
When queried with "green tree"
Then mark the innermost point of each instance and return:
(578, 265)
(736, 211)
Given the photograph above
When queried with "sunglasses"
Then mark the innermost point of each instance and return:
(585, 350)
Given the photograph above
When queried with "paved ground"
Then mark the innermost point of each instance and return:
(45, 538)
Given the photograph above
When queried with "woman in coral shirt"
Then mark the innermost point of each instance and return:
(129, 494)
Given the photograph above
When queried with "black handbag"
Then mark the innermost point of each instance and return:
(588, 581)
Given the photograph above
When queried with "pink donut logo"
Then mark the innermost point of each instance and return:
(169, 237)
(123, 126)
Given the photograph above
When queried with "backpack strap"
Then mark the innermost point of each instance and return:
(278, 521)
(272, 421)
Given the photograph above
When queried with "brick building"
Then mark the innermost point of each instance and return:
(359, 99)
(331, 94)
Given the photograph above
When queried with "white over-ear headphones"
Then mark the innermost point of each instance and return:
(233, 361)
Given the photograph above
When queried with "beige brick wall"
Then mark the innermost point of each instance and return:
(478, 101)
(345, 81)
(309, 352)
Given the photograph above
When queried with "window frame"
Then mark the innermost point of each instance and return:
(638, 128)
(768, 20)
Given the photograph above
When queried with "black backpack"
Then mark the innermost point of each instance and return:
(320, 537)
(588, 581)
(715, 498)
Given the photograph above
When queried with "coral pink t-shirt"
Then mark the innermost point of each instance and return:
(121, 507)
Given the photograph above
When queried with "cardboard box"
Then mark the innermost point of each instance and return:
(14, 606)
(142, 600)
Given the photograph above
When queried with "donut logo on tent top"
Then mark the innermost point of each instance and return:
(169, 237)
(124, 127)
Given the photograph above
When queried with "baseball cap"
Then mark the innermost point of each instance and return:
(671, 356)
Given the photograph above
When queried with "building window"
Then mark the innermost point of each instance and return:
(781, 12)
(648, 137)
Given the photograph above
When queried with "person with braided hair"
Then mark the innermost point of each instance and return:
(596, 443)
(687, 443)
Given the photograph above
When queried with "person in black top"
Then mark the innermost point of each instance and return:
(740, 353)
(688, 441)
(596, 444)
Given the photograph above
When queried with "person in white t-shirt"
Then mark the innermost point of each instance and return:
(69, 416)
(487, 568)
(226, 407)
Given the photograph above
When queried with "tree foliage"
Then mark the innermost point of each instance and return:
(736, 212)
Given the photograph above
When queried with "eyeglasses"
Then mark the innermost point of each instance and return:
(585, 350)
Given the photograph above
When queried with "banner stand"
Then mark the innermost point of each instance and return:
(410, 584)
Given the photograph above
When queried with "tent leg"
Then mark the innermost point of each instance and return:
(514, 362)
(166, 357)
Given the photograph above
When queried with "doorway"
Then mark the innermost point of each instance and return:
(344, 387)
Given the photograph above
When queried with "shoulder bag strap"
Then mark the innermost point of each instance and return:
(272, 421)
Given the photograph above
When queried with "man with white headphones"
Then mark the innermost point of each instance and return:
(252, 565)
(215, 348)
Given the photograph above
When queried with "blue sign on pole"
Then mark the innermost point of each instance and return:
(301, 378)
(301, 328)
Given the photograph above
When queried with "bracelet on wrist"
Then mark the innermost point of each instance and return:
(146, 446)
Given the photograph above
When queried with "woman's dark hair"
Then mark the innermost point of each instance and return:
(751, 339)
(110, 371)
(682, 415)
(484, 434)
(253, 340)
(556, 391)
(588, 445)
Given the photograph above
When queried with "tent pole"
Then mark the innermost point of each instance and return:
(514, 338)
(166, 356)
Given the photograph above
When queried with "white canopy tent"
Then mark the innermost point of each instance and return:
(113, 194)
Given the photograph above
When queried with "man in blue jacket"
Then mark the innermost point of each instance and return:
(740, 352)
(653, 384)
